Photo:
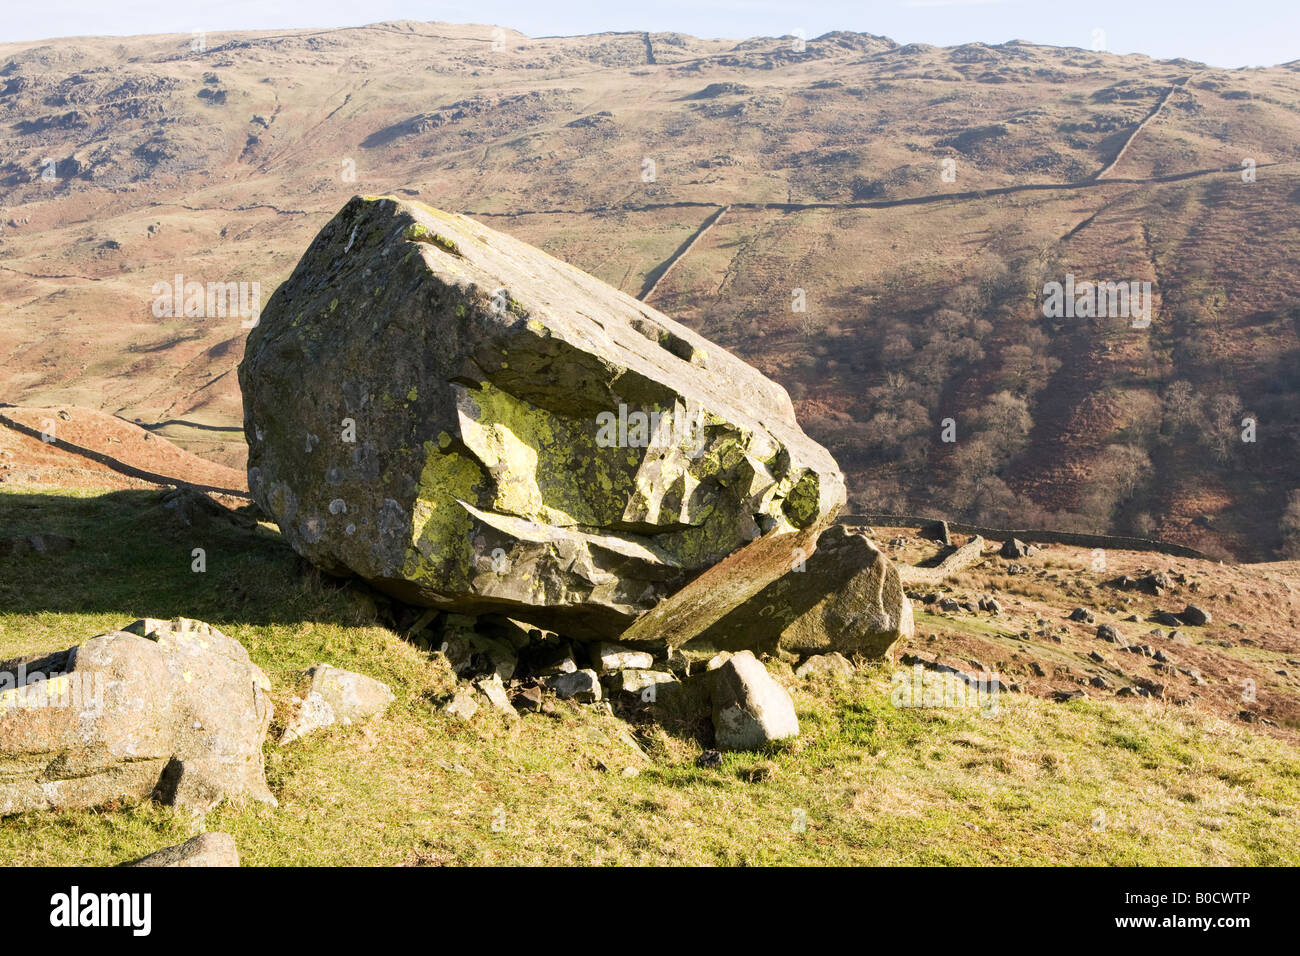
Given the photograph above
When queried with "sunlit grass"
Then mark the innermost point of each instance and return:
(866, 783)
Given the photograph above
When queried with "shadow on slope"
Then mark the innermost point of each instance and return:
(131, 555)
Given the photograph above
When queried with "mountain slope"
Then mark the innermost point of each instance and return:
(916, 199)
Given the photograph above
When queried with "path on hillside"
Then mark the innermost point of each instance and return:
(655, 276)
(1128, 141)
(152, 426)
(870, 204)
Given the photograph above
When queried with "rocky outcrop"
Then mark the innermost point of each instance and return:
(470, 424)
(173, 709)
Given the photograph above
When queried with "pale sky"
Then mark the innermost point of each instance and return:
(1256, 33)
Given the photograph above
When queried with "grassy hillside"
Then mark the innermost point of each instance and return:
(1092, 782)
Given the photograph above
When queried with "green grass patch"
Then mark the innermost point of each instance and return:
(865, 783)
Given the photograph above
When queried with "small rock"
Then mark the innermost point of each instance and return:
(1014, 548)
(717, 660)
(336, 696)
(1155, 584)
(1063, 696)
(1196, 616)
(710, 758)
(561, 665)
(643, 683)
(494, 690)
(582, 686)
(462, 705)
(1100, 683)
(1108, 632)
(206, 849)
(1149, 688)
(1097, 656)
(750, 709)
(1083, 615)
(1167, 619)
(833, 664)
(607, 658)
(528, 698)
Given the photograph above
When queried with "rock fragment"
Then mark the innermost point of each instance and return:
(750, 709)
(206, 849)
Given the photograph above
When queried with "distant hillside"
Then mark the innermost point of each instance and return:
(915, 200)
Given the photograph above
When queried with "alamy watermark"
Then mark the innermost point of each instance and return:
(676, 428)
(920, 687)
(23, 690)
(1087, 299)
(210, 300)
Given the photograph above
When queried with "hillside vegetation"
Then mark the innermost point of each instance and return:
(913, 200)
(1030, 781)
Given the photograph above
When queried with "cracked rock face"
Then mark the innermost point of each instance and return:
(471, 424)
(173, 709)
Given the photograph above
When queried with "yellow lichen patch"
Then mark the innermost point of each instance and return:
(545, 466)
(439, 523)
(803, 503)
(418, 232)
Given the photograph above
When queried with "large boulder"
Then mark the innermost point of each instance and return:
(844, 596)
(470, 424)
(173, 709)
